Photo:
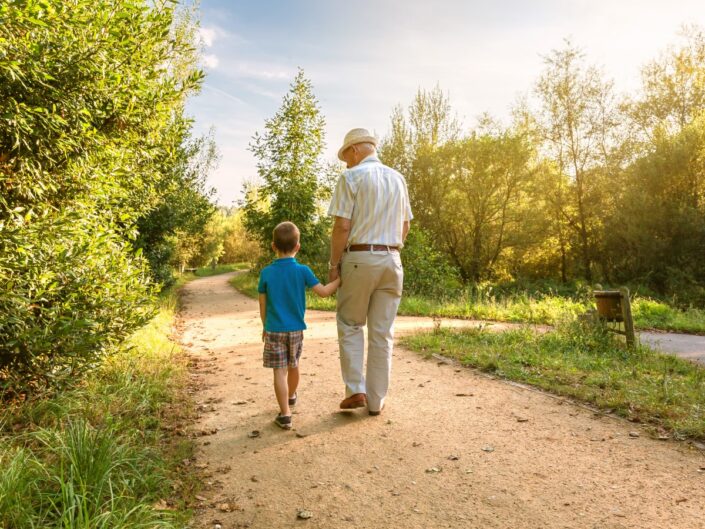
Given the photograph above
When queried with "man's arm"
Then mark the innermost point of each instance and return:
(405, 230)
(263, 311)
(339, 240)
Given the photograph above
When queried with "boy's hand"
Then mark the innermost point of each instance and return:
(263, 333)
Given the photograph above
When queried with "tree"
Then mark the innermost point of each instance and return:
(469, 194)
(673, 88)
(238, 246)
(182, 207)
(93, 95)
(429, 124)
(578, 122)
(291, 173)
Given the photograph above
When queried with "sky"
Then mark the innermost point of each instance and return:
(367, 56)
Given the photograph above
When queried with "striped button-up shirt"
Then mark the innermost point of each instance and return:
(375, 199)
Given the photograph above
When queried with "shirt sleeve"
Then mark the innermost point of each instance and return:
(408, 215)
(262, 287)
(343, 200)
(310, 277)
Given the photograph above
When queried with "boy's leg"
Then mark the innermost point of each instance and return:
(293, 380)
(295, 347)
(281, 390)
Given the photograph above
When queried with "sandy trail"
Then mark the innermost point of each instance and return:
(431, 460)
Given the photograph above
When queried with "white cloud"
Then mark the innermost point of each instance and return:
(207, 36)
(263, 72)
(224, 93)
(210, 60)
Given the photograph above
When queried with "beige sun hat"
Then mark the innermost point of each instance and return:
(356, 136)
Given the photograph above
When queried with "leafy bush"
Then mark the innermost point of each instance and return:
(92, 140)
(426, 270)
(69, 290)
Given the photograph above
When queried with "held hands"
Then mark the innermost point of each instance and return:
(333, 273)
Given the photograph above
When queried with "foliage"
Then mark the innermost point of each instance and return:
(427, 270)
(484, 176)
(95, 456)
(225, 240)
(238, 245)
(581, 185)
(576, 123)
(94, 146)
(69, 291)
(289, 166)
(587, 363)
(183, 211)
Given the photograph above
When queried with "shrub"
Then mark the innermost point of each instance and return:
(69, 291)
(426, 270)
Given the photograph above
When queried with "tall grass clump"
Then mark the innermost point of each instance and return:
(96, 456)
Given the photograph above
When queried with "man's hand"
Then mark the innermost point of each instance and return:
(333, 273)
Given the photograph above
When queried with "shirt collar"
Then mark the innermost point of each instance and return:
(371, 158)
(284, 260)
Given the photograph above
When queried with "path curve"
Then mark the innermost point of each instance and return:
(498, 457)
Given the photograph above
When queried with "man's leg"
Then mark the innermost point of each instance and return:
(281, 390)
(358, 282)
(383, 306)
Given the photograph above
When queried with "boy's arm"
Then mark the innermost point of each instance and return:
(326, 290)
(263, 311)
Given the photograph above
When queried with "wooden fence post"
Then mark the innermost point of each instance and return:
(627, 316)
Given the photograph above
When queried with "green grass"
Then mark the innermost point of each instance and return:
(206, 271)
(653, 314)
(517, 307)
(97, 456)
(588, 364)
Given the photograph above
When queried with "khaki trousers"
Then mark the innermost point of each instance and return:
(369, 294)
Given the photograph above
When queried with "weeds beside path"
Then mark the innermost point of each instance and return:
(98, 456)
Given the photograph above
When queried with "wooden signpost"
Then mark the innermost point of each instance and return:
(613, 306)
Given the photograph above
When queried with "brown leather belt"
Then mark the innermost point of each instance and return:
(371, 247)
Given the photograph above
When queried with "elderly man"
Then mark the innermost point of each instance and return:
(372, 215)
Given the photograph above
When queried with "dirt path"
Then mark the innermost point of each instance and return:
(499, 457)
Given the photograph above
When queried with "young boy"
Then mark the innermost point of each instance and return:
(282, 304)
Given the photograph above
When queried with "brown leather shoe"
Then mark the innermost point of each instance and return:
(358, 400)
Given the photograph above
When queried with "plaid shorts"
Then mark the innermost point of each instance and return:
(283, 349)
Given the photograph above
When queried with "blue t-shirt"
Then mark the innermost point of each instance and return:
(285, 282)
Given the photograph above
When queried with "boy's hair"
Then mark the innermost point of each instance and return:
(285, 237)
